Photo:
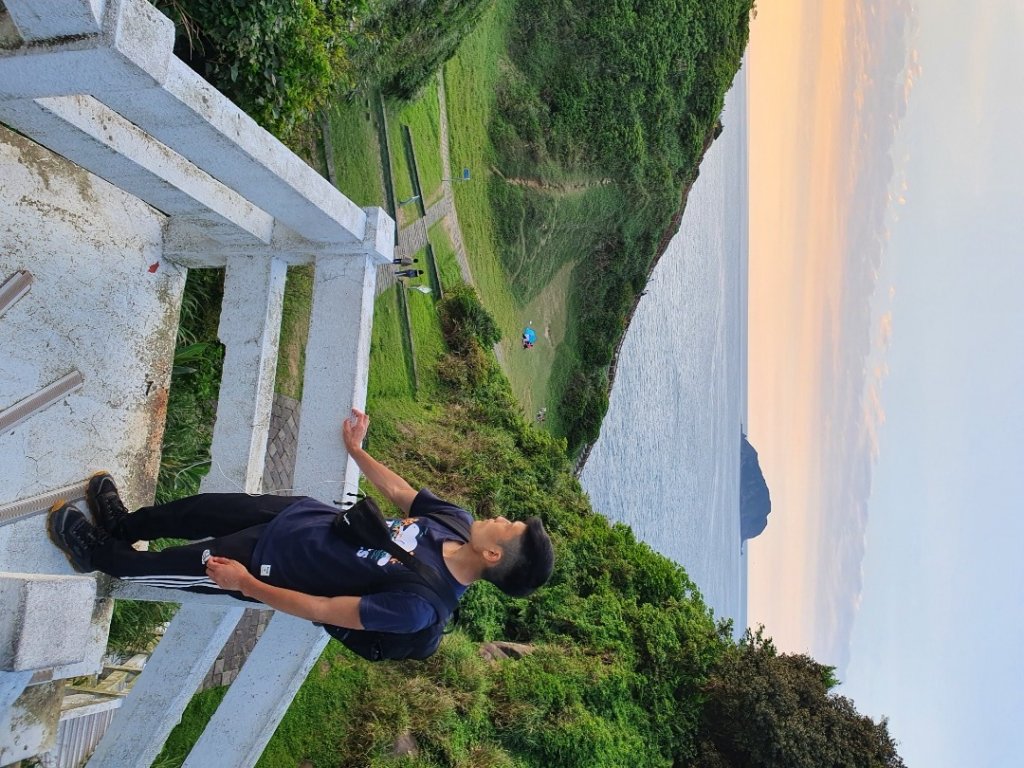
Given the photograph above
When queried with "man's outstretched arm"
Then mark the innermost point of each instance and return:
(398, 492)
(337, 611)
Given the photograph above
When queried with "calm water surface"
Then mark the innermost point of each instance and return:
(667, 461)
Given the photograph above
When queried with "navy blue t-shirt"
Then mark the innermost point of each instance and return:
(299, 551)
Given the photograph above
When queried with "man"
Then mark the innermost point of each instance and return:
(281, 550)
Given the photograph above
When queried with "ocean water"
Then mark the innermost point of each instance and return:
(668, 458)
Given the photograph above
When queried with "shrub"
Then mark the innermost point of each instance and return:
(464, 318)
(277, 59)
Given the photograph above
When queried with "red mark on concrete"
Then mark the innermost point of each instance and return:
(153, 267)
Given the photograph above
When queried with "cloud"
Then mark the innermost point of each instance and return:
(847, 184)
(885, 329)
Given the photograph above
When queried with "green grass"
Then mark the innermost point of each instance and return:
(390, 357)
(520, 260)
(291, 358)
(187, 732)
(422, 116)
(470, 81)
(428, 341)
(543, 229)
(444, 256)
(356, 151)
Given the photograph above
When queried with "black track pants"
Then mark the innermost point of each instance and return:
(235, 521)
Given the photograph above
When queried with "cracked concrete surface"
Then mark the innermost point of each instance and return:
(94, 306)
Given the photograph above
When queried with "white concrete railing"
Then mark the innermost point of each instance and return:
(97, 82)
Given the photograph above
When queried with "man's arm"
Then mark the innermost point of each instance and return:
(337, 611)
(398, 492)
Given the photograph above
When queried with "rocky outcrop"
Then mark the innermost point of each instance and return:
(755, 501)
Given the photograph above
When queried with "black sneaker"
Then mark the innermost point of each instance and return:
(108, 510)
(76, 536)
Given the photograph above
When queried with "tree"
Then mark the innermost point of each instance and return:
(771, 710)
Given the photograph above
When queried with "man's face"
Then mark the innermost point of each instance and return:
(493, 534)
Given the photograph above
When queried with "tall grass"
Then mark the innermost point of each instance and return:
(421, 116)
(188, 432)
(291, 357)
(195, 385)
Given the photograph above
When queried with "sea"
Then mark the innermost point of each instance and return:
(667, 461)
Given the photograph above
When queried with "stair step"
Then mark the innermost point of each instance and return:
(48, 395)
(14, 287)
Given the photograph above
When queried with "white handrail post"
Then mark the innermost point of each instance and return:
(250, 327)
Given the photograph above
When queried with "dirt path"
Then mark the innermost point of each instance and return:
(555, 187)
(451, 216)
(454, 230)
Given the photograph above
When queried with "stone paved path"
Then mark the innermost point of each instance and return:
(282, 440)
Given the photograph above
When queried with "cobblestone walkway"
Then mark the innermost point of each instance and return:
(282, 441)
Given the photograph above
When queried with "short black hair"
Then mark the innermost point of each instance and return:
(526, 561)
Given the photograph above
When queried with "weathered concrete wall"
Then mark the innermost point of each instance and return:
(102, 302)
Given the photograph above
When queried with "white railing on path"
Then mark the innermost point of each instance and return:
(97, 82)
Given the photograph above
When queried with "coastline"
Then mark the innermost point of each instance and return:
(694, 379)
(671, 229)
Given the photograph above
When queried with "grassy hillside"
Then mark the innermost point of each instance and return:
(585, 123)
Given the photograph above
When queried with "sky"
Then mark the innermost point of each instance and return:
(886, 325)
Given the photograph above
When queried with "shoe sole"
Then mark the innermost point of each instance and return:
(56, 509)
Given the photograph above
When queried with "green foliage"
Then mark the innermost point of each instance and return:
(277, 59)
(195, 384)
(402, 43)
(465, 320)
(134, 623)
(188, 432)
(624, 639)
(769, 710)
(281, 60)
(629, 88)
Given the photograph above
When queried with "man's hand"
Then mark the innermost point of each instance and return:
(228, 574)
(232, 575)
(353, 430)
(398, 492)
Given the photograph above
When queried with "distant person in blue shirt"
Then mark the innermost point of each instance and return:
(281, 551)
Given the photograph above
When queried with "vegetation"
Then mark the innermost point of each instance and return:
(583, 123)
(771, 710)
(355, 150)
(195, 385)
(416, 123)
(627, 665)
(444, 256)
(281, 60)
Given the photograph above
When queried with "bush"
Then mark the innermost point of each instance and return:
(464, 319)
(281, 60)
(277, 59)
